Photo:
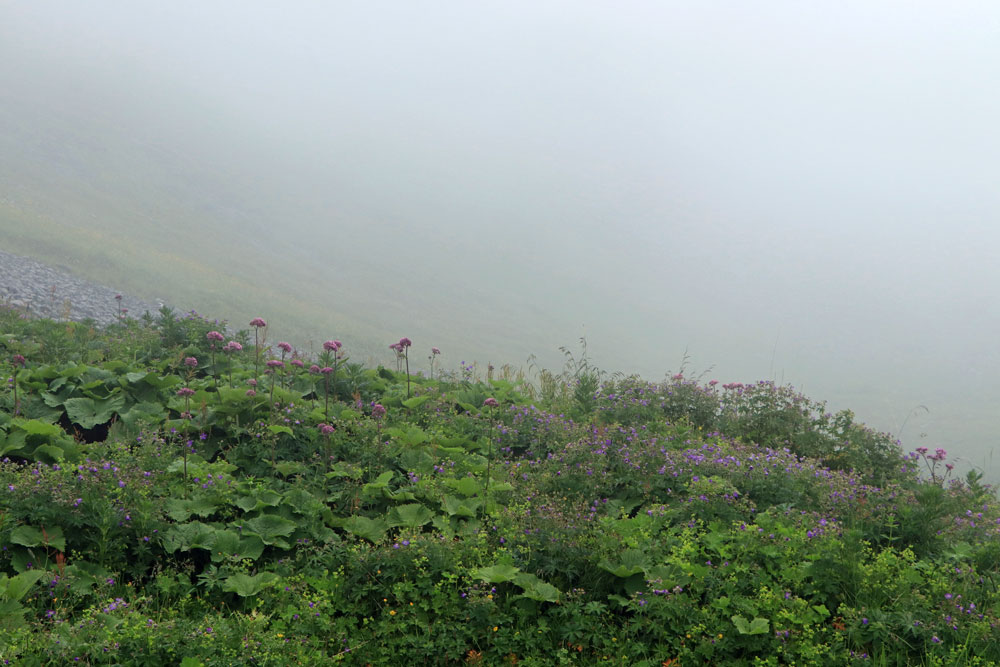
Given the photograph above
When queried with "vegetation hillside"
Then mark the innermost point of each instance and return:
(172, 492)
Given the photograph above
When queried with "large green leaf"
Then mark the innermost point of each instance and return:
(467, 507)
(412, 515)
(188, 536)
(180, 509)
(467, 486)
(260, 500)
(89, 412)
(246, 585)
(372, 530)
(270, 528)
(415, 402)
(632, 562)
(145, 412)
(758, 626)
(17, 587)
(497, 574)
(230, 544)
(49, 536)
(36, 427)
(536, 589)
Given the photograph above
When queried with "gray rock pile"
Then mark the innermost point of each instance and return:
(43, 291)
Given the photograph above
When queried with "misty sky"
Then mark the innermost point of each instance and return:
(803, 191)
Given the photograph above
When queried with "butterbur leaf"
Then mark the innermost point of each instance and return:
(497, 574)
(415, 402)
(51, 536)
(271, 528)
(372, 530)
(229, 544)
(17, 587)
(246, 585)
(280, 429)
(461, 507)
(536, 589)
(89, 412)
(181, 510)
(188, 536)
(467, 486)
(262, 499)
(757, 626)
(413, 515)
(632, 562)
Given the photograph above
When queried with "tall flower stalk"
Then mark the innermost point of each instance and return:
(331, 353)
(434, 353)
(326, 371)
(257, 323)
(404, 345)
(19, 362)
(272, 367)
(490, 403)
(229, 348)
(213, 338)
(186, 393)
(378, 412)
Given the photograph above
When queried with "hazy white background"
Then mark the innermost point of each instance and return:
(798, 191)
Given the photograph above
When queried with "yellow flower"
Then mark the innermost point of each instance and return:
(392, 613)
(280, 635)
(495, 628)
(720, 635)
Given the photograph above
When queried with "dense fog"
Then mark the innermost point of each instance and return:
(803, 192)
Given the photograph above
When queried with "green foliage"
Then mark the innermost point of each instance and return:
(627, 522)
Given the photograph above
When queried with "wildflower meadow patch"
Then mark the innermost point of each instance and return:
(173, 491)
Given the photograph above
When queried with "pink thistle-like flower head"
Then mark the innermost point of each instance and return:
(285, 347)
(326, 429)
(19, 360)
(404, 342)
(190, 362)
(314, 369)
(297, 363)
(331, 345)
(185, 391)
(491, 402)
(435, 351)
(258, 322)
(378, 411)
(275, 363)
(232, 346)
(252, 382)
(395, 347)
(326, 370)
(251, 392)
(214, 335)
(118, 297)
